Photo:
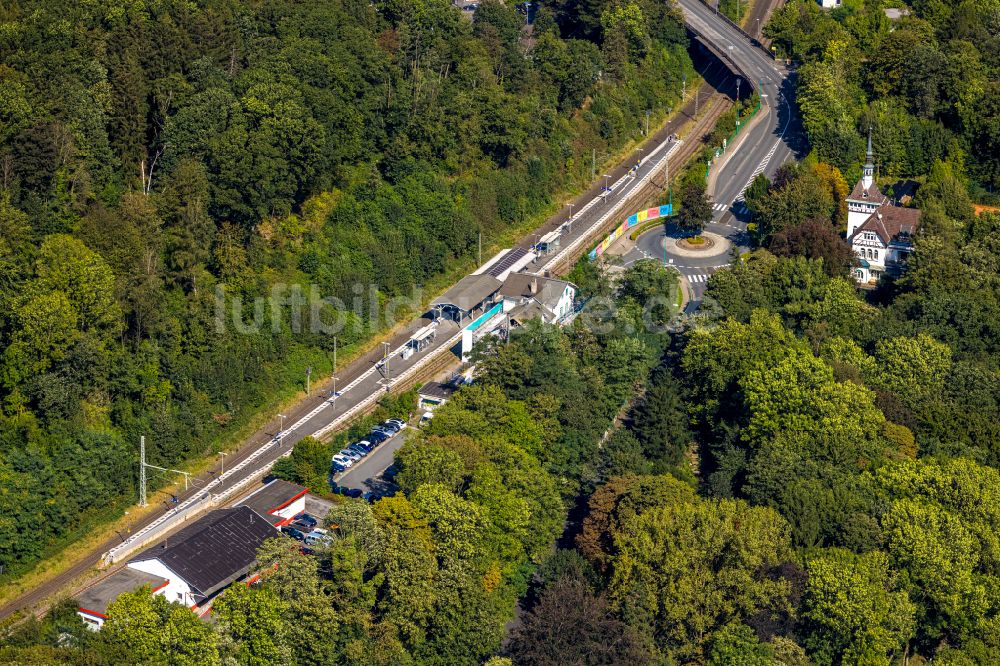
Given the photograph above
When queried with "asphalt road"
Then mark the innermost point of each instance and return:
(772, 138)
(366, 474)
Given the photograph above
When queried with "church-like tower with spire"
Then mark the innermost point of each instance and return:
(865, 198)
(880, 233)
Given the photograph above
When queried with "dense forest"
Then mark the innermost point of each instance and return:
(157, 154)
(928, 84)
(431, 575)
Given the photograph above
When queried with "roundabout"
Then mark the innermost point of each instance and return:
(694, 261)
(711, 245)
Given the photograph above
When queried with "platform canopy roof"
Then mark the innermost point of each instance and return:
(468, 292)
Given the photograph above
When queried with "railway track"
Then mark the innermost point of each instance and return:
(36, 598)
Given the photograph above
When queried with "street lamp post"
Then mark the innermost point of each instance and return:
(647, 122)
(281, 427)
(222, 474)
(569, 218)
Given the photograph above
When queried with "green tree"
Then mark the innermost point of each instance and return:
(696, 209)
(736, 644)
(855, 609)
(669, 581)
(67, 265)
(146, 628)
(912, 367)
(421, 463)
(254, 618)
(660, 421)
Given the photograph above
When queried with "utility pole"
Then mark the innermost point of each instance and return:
(142, 471)
(569, 219)
(385, 363)
(647, 122)
(335, 354)
(281, 427)
(143, 499)
(308, 380)
(480, 262)
(222, 474)
(593, 164)
(334, 393)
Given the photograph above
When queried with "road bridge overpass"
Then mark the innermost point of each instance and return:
(772, 138)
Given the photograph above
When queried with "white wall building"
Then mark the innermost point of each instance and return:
(548, 298)
(193, 566)
(865, 198)
(880, 233)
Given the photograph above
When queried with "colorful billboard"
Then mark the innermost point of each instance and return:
(630, 221)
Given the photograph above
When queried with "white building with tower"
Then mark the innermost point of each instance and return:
(880, 233)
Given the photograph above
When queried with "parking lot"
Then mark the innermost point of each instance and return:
(367, 474)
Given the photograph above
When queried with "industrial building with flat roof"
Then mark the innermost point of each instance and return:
(194, 565)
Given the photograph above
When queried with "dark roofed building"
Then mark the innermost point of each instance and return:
(196, 563)
(880, 233)
(468, 294)
(866, 197)
(892, 224)
(208, 555)
(278, 502)
(531, 296)
(433, 394)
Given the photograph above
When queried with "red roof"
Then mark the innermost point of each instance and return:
(892, 223)
(871, 195)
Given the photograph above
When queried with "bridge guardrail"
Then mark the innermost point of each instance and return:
(753, 40)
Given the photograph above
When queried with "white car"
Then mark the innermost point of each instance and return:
(343, 460)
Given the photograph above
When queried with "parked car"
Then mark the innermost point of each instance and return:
(388, 432)
(400, 423)
(360, 450)
(336, 468)
(389, 427)
(342, 461)
(305, 521)
(366, 445)
(317, 537)
(377, 436)
(349, 453)
(292, 532)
